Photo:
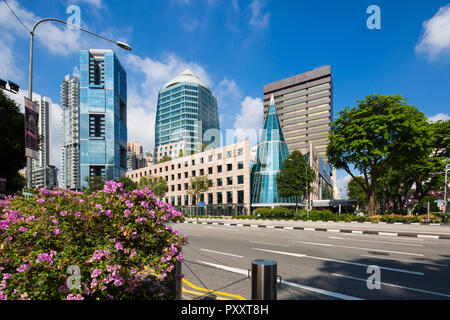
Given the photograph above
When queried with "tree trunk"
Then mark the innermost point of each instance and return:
(296, 205)
(371, 205)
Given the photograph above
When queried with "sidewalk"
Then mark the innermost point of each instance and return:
(433, 231)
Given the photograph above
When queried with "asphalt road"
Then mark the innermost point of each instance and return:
(315, 265)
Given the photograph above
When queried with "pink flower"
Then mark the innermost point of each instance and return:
(118, 246)
(108, 213)
(96, 273)
(40, 200)
(127, 213)
(23, 268)
(56, 231)
(72, 297)
(30, 218)
(22, 229)
(63, 213)
(133, 270)
(77, 214)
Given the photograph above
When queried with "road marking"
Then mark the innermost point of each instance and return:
(270, 227)
(388, 234)
(194, 234)
(357, 248)
(427, 236)
(226, 268)
(321, 291)
(339, 261)
(394, 285)
(411, 261)
(309, 229)
(292, 284)
(357, 231)
(213, 291)
(254, 226)
(289, 228)
(215, 223)
(224, 253)
(272, 244)
(333, 230)
(386, 242)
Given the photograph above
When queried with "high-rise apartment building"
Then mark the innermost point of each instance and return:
(135, 147)
(44, 175)
(70, 150)
(186, 110)
(103, 116)
(305, 108)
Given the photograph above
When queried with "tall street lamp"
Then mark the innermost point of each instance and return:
(306, 184)
(120, 44)
(445, 193)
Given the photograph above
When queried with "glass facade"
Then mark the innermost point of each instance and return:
(186, 110)
(272, 152)
(103, 123)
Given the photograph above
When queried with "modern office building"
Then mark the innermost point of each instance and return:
(227, 168)
(103, 116)
(45, 177)
(135, 161)
(305, 108)
(70, 150)
(186, 110)
(271, 153)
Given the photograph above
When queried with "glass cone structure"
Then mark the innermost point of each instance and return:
(272, 152)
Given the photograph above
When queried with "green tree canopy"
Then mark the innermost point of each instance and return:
(158, 185)
(12, 143)
(295, 177)
(128, 184)
(164, 159)
(356, 192)
(198, 185)
(381, 132)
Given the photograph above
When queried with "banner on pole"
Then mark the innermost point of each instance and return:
(31, 129)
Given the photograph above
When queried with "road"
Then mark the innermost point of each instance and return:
(315, 265)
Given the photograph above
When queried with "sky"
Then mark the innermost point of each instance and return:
(236, 47)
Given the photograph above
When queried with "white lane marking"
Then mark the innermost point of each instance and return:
(427, 236)
(288, 283)
(357, 248)
(271, 244)
(227, 268)
(224, 253)
(333, 230)
(289, 228)
(309, 229)
(410, 261)
(339, 261)
(395, 285)
(254, 226)
(386, 242)
(357, 231)
(270, 227)
(321, 291)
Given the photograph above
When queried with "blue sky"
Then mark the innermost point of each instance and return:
(237, 46)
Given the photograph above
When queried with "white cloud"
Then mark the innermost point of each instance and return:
(436, 35)
(342, 185)
(188, 23)
(439, 116)
(249, 120)
(259, 19)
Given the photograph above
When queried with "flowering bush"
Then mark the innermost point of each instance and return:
(69, 245)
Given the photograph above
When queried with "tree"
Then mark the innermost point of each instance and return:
(356, 192)
(293, 179)
(164, 159)
(158, 185)
(128, 184)
(381, 132)
(94, 184)
(12, 143)
(198, 185)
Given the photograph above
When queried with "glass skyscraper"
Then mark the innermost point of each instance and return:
(272, 152)
(186, 110)
(103, 116)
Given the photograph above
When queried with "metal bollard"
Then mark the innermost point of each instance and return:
(178, 280)
(264, 279)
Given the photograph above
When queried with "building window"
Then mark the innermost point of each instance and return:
(173, 187)
(229, 154)
(210, 198)
(219, 169)
(240, 195)
(193, 162)
(96, 125)
(123, 111)
(210, 158)
(210, 170)
(202, 172)
(179, 176)
(172, 177)
(219, 182)
(229, 181)
(201, 160)
(179, 187)
(240, 152)
(229, 166)
(219, 198)
(186, 186)
(229, 196)
(123, 158)
(240, 179)
(193, 173)
(219, 156)
(240, 165)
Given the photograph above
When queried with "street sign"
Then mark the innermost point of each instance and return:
(442, 207)
(31, 129)
(202, 204)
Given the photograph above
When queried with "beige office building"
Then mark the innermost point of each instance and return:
(228, 169)
(305, 106)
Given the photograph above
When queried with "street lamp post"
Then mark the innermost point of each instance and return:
(445, 193)
(306, 186)
(30, 71)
